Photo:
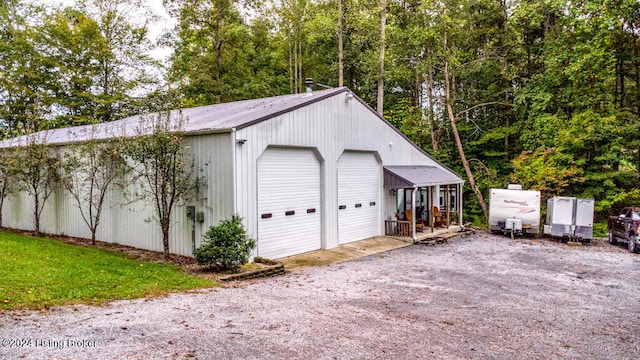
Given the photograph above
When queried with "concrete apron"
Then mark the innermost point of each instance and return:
(355, 250)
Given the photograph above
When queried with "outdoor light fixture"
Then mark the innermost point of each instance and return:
(242, 141)
(349, 95)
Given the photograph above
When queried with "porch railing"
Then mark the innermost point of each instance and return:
(400, 228)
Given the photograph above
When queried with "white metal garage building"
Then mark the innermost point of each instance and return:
(305, 171)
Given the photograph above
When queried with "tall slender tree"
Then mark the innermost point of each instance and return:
(163, 168)
(383, 41)
(91, 170)
(27, 73)
(340, 44)
(35, 168)
(126, 68)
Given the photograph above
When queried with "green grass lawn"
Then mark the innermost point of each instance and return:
(36, 273)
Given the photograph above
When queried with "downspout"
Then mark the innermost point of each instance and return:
(234, 170)
(193, 231)
(413, 213)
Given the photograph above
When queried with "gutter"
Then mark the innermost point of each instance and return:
(105, 139)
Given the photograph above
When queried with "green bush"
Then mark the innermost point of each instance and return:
(226, 246)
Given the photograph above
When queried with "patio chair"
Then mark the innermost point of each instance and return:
(419, 222)
(437, 219)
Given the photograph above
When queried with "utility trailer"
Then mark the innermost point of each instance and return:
(514, 211)
(569, 218)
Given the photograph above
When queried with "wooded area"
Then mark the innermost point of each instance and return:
(541, 93)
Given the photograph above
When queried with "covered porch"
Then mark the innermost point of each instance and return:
(423, 200)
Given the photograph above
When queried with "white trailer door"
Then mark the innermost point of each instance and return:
(289, 212)
(358, 196)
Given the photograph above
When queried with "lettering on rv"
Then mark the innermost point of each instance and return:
(523, 208)
(522, 203)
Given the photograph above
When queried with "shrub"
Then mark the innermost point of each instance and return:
(226, 246)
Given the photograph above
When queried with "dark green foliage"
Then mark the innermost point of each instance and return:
(226, 246)
(68, 66)
(545, 92)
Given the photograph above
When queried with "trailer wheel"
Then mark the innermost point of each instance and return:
(612, 238)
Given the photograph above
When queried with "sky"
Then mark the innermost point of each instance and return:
(156, 29)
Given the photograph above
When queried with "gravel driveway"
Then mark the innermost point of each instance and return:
(477, 297)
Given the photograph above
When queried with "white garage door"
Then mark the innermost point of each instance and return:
(358, 196)
(289, 214)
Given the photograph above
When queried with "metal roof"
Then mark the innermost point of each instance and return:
(226, 117)
(410, 176)
(202, 119)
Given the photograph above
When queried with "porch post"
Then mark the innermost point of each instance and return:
(459, 186)
(413, 213)
(431, 207)
(447, 203)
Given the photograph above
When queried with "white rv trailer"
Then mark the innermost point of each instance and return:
(514, 211)
(569, 218)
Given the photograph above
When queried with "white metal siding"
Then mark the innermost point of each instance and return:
(289, 209)
(358, 196)
(132, 223)
(330, 126)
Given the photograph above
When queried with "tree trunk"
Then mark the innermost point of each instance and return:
(383, 25)
(3, 195)
(505, 27)
(340, 46)
(430, 112)
(295, 64)
(636, 55)
(165, 237)
(454, 128)
(106, 117)
(36, 214)
(456, 135)
(291, 85)
(300, 76)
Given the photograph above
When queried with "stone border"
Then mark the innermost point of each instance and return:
(444, 238)
(272, 268)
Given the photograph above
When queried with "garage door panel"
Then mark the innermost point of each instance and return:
(358, 196)
(276, 243)
(289, 213)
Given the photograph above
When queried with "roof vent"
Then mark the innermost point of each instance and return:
(309, 83)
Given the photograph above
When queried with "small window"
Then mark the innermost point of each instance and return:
(358, 206)
(373, 203)
(342, 207)
(290, 212)
(266, 216)
(311, 211)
